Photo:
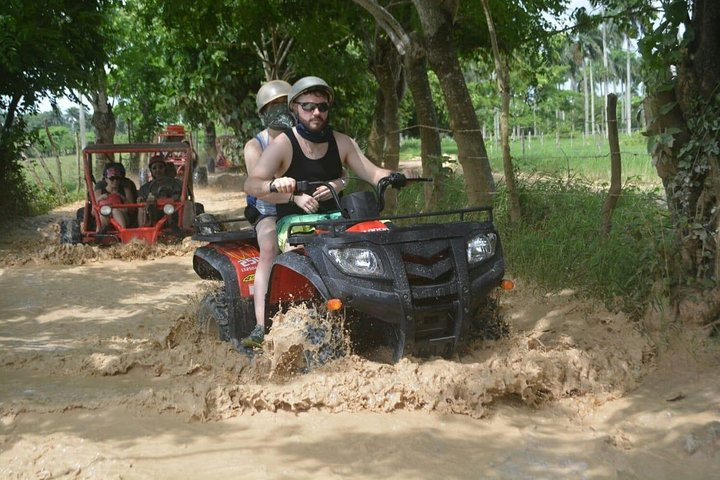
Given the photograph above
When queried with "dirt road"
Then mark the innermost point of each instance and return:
(103, 375)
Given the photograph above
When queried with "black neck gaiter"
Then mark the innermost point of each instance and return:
(315, 137)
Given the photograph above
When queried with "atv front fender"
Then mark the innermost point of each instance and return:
(211, 264)
(294, 278)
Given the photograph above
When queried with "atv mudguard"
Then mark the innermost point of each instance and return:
(293, 278)
(211, 264)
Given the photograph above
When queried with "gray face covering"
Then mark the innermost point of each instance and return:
(277, 117)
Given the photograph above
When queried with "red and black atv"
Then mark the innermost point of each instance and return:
(420, 283)
(171, 207)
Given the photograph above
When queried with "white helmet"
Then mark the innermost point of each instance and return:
(270, 91)
(307, 84)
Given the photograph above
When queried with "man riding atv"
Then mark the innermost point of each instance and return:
(310, 151)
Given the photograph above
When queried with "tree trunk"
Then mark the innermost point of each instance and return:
(683, 138)
(209, 145)
(388, 72)
(376, 138)
(593, 130)
(503, 82)
(412, 48)
(615, 166)
(586, 98)
(628, 89)
(430, 145)
(437, 26)
(103, 121)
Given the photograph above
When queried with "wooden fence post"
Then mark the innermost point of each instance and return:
(615, 166)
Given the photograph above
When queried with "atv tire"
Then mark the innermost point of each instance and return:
(395, 340)
(487, 322)
(70, 232)
(213, 316)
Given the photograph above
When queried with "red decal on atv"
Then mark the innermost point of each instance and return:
(370, 226)
(244, 258)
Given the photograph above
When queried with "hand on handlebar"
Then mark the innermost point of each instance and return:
(283, 185)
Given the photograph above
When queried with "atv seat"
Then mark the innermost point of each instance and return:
(228, 236)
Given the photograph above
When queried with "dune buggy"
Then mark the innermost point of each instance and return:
(171, 207)
(419, 283)
(174, 134)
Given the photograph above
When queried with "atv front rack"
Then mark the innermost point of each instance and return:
(299, 231)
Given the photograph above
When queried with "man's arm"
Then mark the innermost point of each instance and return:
(252, 153)
(273, 161)
(353, 157)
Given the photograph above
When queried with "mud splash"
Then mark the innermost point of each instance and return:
(536, 366)
(48, 251)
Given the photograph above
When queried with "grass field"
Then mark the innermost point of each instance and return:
(588, 159)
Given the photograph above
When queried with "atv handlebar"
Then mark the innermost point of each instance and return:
(395, 180)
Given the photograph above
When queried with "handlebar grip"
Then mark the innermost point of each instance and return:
(273, 188)
(302, 186)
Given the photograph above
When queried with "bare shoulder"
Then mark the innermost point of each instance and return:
(252, 144)
(345, 143)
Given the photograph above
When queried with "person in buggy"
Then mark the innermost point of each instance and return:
(163, 184)
(115, 188)
(310, 151)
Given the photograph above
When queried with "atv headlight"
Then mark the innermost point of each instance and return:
(105, 210)
(168, 209)
(481, 247)
(357, 261)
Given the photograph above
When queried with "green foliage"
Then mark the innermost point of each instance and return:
(44, 197)
(46, 46)
(558, 243)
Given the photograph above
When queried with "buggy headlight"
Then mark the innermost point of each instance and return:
(168, 209)
(357, 261)
(105, 210)
(481, 247)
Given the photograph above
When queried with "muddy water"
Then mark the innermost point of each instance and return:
(104, 375)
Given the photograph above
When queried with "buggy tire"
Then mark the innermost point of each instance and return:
(70, 232)
(80, 217)
(211, 165)
(213, 317)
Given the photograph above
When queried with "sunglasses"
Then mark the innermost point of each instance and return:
(311, 106)
(112, 179)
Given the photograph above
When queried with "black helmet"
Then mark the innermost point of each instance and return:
(309, 84)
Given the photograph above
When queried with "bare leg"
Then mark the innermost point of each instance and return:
(141, 216)
(120, 216)
(267, 240)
